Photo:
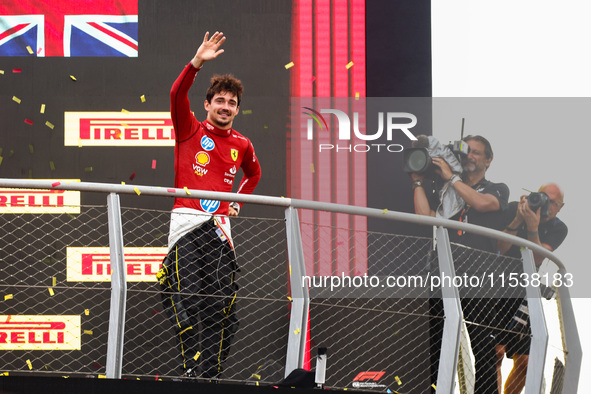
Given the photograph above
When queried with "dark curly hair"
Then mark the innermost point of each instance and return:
(224, 83)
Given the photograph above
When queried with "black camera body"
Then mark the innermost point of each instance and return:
(418, 158)
(539, 200)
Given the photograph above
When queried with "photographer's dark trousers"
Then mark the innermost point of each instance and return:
(199, 294)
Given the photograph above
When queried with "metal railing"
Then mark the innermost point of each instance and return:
(275, 281)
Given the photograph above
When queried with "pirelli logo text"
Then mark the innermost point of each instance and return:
(40, 201)
(22, 332)
(118, 129)
(94, 264)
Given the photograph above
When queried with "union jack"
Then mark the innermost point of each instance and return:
(69, 28)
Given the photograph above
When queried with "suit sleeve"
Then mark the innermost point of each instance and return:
(183, 119)
(252, 172)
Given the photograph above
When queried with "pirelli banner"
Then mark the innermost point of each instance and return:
(47, 332)
(40, 201)
(118, 129)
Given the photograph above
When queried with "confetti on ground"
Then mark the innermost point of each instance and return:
(88, 169)
(16, 70)
(349, 65)
(29, 364)
(30, 50)
(28, 121)
(137, 191)
(247, 112)
(143, 98)
(42, 108)
(14, 98)
(124, 111)
(73, 78)
(51, 166)
(49, 124)
(87, 312)
(55, 184)
(187, 190)
(289, 65)
(51, 293)
(31, 149)
(154, 164)
(8, 297)
(88, 332)
(132, 176)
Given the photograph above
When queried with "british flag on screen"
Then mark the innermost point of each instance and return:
(69, 28)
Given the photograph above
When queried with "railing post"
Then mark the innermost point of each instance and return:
(572, 343)
(118, 290)
(450, 344)
(537, 353)
(298, 322)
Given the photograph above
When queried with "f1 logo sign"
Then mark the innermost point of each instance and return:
(369, 375)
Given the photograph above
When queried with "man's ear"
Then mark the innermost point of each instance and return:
(206, 105)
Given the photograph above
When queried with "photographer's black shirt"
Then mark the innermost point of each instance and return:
(495, 219)
(552, 232)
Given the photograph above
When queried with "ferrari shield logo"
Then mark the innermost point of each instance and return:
(234, 154)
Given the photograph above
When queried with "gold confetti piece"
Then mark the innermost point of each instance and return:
(88, 169)
(102, 376)
(88, 332)
(123, 183)
(398, 380)
(42, 108)
(289, 65)
(257, 377)
(2, 72)
(8, 297)
(257, 382)
(79, 143)
(51, 166)
(290, 269)
(197, 356)
(143, 98)
(349, 65)
(4, 374)
(51, 293)
(137, 191)
(124, 111)
(384, 211)
(297, 331)
(31, 148)
(49, 124)
(312, 168)
(433, 385)
(73, 78)
(87, 312)
(289, 298)
(187, 190)
(356, 95)
(14, 98)
(29, 364)
(247, 112)
(30, 50)
(1, 158)
(54, 281)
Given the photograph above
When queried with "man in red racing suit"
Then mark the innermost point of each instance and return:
(198, 274)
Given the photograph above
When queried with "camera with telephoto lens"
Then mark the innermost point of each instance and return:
(418, 158)
(539, 200)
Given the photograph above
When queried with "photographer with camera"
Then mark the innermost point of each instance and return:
(533, 218)
(482, 204)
